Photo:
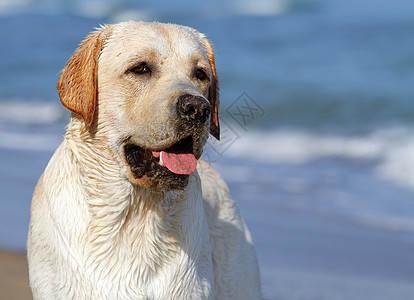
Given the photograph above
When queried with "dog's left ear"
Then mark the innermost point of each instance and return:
(213, 95)
(78, 82)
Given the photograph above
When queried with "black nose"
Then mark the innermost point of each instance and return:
(193, 108)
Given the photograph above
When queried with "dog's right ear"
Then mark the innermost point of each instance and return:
(213, 96)
(78, 82)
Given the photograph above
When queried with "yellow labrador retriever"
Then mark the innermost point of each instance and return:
(126, 209)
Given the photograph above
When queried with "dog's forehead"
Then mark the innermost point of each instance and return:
(131, 38)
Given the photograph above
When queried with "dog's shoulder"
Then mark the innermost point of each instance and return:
(234, 259)
(220, 208)
(215, 190)
(223, 215)
(46, 183)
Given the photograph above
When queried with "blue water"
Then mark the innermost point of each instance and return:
(326, 65)
(326, 151)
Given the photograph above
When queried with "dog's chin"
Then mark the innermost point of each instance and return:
(161, 182)
(148, 170)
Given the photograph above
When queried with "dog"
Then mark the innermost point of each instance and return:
(126, 208)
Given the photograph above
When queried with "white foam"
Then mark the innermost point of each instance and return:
(299, 147)
(133, 14)
(398, 161)
(93, 8)
(262, 7)
(30, 112)
(30, 126)
(29, 141)
(11, 6)
(385, 222)
(392, 148)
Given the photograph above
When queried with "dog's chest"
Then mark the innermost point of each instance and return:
(184, 275)
(156, 263)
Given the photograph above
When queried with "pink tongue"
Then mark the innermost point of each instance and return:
(183, 163)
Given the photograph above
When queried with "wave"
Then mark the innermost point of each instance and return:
(276, 165)
(125, 10)
(366, 180)
(40, 125)
(262, 7)
(31, 126)
(35, 112)
(391, 149)
(29, 141)
(12, 6)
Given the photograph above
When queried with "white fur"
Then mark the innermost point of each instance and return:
(96, 234)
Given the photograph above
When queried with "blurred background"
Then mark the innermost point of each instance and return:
(317, 142)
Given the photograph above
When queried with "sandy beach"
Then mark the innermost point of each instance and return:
(14, 278)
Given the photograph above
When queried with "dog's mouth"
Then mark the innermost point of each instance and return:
(179, 159)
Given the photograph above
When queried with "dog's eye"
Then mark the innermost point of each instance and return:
(140, 69)
(200, 74)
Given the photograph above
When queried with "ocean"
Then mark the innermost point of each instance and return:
(317, 112)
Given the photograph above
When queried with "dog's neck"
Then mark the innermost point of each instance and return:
(125, 219)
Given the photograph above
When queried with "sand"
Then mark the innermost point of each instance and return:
(14, 278)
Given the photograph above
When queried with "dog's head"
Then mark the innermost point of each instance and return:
(151, 89)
